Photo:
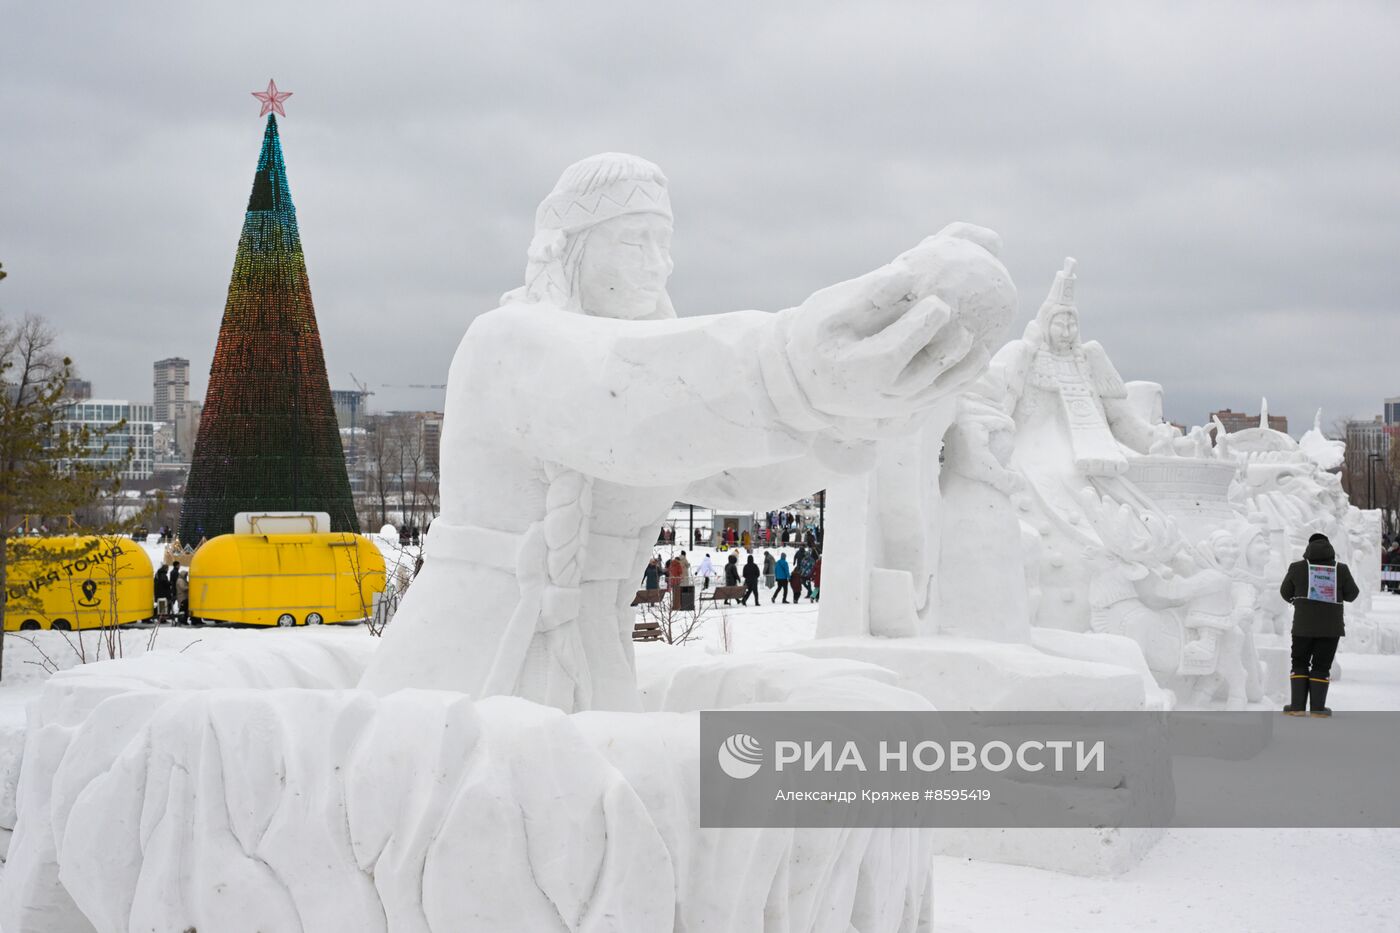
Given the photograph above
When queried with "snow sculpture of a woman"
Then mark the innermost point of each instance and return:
(582, 408)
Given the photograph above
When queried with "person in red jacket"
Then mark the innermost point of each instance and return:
(675, 573)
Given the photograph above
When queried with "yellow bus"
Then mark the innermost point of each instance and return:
(66, 582)
(294, 579)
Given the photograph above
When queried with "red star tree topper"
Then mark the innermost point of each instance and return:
(272, 99)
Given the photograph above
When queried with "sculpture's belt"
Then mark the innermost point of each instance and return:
(607, 557)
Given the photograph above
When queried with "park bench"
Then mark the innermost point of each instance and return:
(724, 592)
(648, 597)
(647, 631)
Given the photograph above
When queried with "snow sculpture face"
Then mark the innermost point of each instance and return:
(1256, 555)
(602, 242)
(1064, 332)
(1226, 548)
(624, 266)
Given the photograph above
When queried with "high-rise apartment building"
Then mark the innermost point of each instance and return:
(172, 388)
(1392, 411)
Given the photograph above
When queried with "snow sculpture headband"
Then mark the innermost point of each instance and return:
(601, 187)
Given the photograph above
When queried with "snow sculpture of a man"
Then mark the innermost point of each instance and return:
(580, 410)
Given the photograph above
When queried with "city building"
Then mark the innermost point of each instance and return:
(1368, 451)
(79, 389)
(1392, 411)
(430, 423)
(349, 407)
(1364, 438)
(108, 443)
(1239, 421)
(172, 387)
(185, 428)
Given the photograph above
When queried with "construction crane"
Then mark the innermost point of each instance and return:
(365, 393)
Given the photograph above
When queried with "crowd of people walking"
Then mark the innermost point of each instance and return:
(782, 576)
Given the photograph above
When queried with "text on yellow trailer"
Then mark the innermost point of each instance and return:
(298, 579)
(66, 582)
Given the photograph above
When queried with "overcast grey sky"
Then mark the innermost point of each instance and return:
(1228, 175)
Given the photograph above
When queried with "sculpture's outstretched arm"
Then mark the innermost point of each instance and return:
(828, 461)
(643, 403)
(660, 402)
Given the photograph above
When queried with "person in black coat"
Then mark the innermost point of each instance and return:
(750, 583)
(651, 577)
(731, 573)
(1316, 586)
(163, 590)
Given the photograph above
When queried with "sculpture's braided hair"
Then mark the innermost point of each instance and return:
(568, 508)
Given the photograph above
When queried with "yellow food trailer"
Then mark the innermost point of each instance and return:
(285, 579)
(67, 582)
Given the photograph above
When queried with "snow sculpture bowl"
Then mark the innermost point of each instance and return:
(249, 787)
(1193, 491)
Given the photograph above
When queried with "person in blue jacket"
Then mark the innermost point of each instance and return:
(782, 573)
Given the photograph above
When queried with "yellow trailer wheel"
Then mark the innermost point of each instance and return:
(314, 618)
(286, 620)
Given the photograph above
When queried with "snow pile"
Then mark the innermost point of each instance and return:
(163, 793)
(32, 657)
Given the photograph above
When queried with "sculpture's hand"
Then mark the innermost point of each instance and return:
(875, 348)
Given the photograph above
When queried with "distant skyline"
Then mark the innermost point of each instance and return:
(1226, 175)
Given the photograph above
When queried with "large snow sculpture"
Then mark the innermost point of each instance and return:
(1074, 422)
(256, 789)
(561, 455)
(1287, 487)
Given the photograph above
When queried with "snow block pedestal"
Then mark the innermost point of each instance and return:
(957, 674)
(260, 790)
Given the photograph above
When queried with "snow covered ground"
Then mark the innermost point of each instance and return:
(1236, 880)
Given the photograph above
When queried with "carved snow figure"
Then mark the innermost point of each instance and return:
(1074, 428)
(560, 454)
(982, 585)
(1284, 485)
(1127, 595)
(1243, 553)
(1221, 616)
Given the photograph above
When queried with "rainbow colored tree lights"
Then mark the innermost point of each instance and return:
(268, 437)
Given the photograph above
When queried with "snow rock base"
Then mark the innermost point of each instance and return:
(292, 803)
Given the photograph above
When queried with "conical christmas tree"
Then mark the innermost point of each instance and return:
(268, 437)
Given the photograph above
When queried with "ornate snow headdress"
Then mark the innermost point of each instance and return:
(589, 192)
(1059, 301)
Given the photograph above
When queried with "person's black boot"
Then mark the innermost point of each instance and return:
(1299, 706)
(1318, 694)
